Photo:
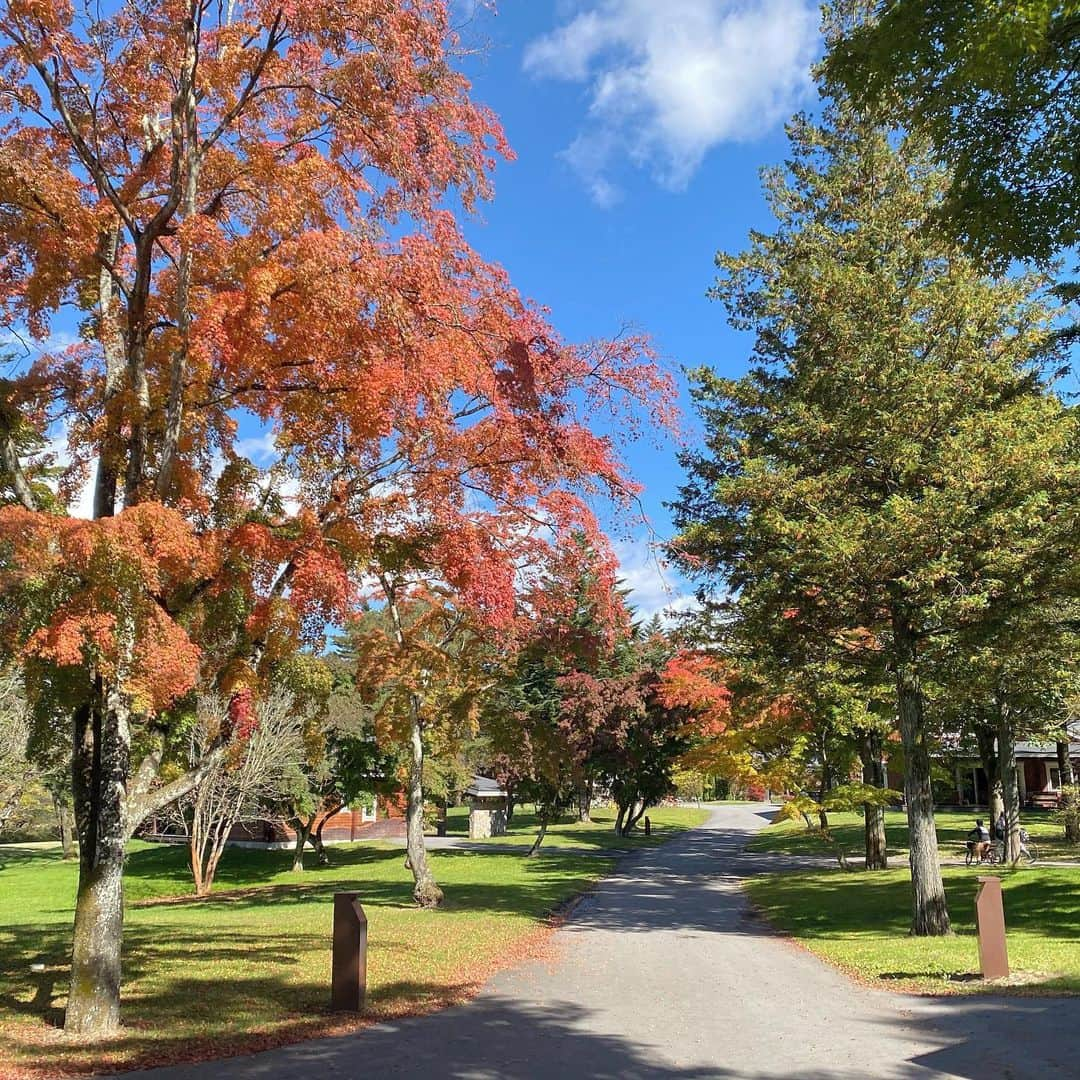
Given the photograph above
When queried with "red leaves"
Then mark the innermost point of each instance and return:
(429, 422)
(242, 716)
(697, 683)
(480, 571)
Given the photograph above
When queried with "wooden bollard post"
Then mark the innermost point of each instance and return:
(348, 981)
(990, 924)
(648, 827)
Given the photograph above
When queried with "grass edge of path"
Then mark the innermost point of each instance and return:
(43, 1051)
(783, 903)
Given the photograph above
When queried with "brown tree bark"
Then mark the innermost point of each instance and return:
(986, 737)
(302, 827)
(873, 768)
(930, 912)
(65, 827)
(317, 839)
(634, 815)
(1066, 780)
(544, 815)
(584, 801)
(426, 892)
(1006, 746)
(826, 787)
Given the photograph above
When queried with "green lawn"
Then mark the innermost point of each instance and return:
(860, 922)
(793, 837)
(249, 968)
(598, 834)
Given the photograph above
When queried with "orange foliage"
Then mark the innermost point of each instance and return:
(109, 578)
(697, 683)
(256, 228)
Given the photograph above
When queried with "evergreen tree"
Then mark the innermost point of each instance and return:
(888, 470)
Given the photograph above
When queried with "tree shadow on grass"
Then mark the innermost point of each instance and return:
(543, 885)
(1046, 903)
(167, 864)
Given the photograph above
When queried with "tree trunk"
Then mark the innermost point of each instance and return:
(302, 828)
(584, 800)
(619, 819)
(1065, 769)
(509, 787)
(425, 892)
(930, 912)
(986, 737)
(1006, 746)
(635, 815)
(873, 770)
(539, 836)
(100, 768)
(195, 861)
(316, 839)
(64, 827)
(1066, 781)
(826, 787)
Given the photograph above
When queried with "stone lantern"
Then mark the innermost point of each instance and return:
(487, 808)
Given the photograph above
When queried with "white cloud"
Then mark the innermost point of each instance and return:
(260, 449)
(653, 586)
(670, 80)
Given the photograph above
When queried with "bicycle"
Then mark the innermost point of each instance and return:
(994, 855)
(989, 857)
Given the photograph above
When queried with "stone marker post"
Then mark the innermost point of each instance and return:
(990, 923)
(348, 982)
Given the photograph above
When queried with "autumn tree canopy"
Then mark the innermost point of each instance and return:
(243, 205)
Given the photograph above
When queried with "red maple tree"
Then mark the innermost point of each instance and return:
(244, 202)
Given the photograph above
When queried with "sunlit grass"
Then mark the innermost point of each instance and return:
(794, 838)
(860, 922)
(250, 967)
(599, 833)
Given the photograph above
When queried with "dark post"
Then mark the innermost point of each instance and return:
(348, 983)
(990, 923)
(648, 827)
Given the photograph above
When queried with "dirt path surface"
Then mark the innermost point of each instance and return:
(666, 972)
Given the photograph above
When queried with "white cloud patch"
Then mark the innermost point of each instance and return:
(670, 79)
(654, 588)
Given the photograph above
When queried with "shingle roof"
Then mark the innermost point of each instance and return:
(485, 787)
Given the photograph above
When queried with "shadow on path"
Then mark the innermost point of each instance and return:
(665, 971)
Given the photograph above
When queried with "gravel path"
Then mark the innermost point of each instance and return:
(665, 972)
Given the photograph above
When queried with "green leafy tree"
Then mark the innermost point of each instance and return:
(887, 470)
(996, 86)
(1014, 673)
(424, 664)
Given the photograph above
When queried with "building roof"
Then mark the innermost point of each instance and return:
(1041, 750)
(1030, 750)
(484, 787)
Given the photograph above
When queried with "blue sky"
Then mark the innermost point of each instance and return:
(639, 128)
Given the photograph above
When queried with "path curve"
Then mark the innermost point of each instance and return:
(665, 972)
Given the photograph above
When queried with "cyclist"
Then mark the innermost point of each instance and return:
(978, 841)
